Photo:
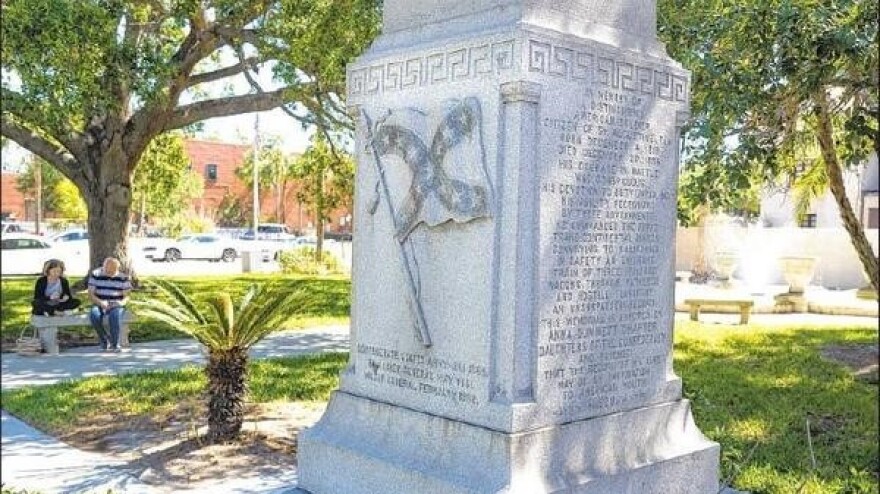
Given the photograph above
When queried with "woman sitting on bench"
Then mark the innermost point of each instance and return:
(52, 291)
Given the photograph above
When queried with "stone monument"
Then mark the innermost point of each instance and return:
(513, 269)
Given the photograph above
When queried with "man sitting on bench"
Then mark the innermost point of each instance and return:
(108, 290)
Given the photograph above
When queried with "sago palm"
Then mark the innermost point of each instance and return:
(227, 333)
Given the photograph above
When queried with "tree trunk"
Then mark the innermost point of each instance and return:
(700, 268)
(319, 218)
(142, 215)
(838, 190)
(284, 203)
(227, 389)
(38, 186)
(279, 216)
(109, 203)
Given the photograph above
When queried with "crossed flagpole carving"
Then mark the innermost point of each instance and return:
(461, 201)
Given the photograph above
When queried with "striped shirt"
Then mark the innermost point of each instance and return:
(109, 287)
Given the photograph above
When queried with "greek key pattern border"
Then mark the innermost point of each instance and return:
(454, 65)
(604, 68)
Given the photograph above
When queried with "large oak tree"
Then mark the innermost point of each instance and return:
(773, 79)
(88, 84)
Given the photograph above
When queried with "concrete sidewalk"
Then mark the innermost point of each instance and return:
(80, 362)
(32, 460)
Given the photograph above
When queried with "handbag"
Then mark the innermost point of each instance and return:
(28, 345)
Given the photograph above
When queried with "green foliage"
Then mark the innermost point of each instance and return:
(275, 171)
(232, 211)
(303, 260)
(69, 202)
(326, 178)
(274, 166)
(78, 58)
(184, 222)
(759, 69)
(50, 177)
(216, 322)
(13, 490)
(699, 188)
(88, 84)
(55, 408)
(163, 182)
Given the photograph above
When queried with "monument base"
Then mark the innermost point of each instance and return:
(361, 446)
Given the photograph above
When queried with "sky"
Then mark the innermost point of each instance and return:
(275, 123)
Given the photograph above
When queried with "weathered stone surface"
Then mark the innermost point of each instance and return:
(513, 265)
(376, 447)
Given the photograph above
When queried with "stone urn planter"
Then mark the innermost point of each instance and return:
(725, 263)
(797, 271)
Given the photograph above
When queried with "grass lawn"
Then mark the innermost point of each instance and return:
(333, 308)
(753, 389)
(57, 408)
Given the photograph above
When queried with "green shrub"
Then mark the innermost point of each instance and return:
(184, 223)
(302, 261)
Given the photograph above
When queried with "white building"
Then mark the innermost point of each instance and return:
(778, 234)
(862, 187)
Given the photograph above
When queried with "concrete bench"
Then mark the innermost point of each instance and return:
(745, 307)
(47, 328)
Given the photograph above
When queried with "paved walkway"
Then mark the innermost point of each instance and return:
(169, 354)
(32, 460)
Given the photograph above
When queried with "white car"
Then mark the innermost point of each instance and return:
(200, 246)
(25, 254)
(73, 235)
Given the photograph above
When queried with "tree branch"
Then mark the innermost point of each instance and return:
(223, 73)
(230, 35)
(15, 104)
(203, 110)
(57, 156)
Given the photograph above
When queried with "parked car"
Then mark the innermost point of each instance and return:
(337, 236)
(21, 253)
(72, 235)
(11, 227)
(269, 231)
(201, 246)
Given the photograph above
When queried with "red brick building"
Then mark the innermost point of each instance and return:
(12, 202)
(216, 163)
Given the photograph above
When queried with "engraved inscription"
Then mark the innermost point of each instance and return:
(602, 343)
(456, 381)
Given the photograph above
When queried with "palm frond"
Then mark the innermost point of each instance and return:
(808, 187)
(224, 317)
(212, 320)
(175, 293)
(252, 291)
(275, 306)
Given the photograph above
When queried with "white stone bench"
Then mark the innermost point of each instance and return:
(47, 328)
(697, 304)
